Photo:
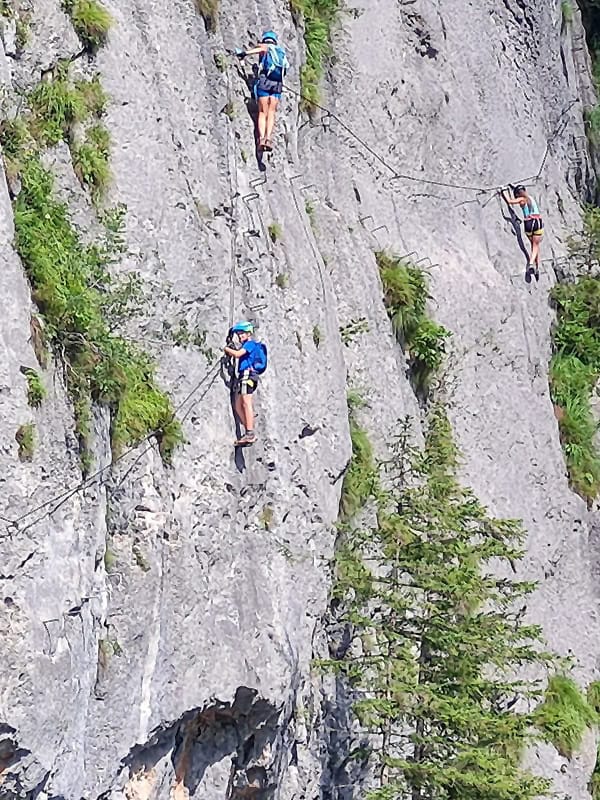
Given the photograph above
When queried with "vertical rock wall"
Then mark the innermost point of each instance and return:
(180, 665)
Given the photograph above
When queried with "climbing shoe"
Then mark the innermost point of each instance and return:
(262, 144)
(268, 146)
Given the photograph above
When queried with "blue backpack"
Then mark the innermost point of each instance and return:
(274, 63)
(259, 364)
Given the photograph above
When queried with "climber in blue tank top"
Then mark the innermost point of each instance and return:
(272, 66)
(533, 224)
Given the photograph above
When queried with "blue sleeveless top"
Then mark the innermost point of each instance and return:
(531, 210)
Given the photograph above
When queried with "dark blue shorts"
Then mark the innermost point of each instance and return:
(265, 87)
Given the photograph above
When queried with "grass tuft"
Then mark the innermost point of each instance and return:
(91, 161)
(319, 17)
(25, 437)
(36, 392)
(564, 715)
(55, 105)
(91, 21)
(405, 297)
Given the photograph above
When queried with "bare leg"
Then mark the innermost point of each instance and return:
(263, 112)
(247, 411)
(238, 409)
(272, 110)
(535, 250)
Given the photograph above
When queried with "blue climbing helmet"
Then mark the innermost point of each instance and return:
(243, 327)
(274, 63)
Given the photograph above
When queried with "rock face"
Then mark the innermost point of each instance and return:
(158, 625)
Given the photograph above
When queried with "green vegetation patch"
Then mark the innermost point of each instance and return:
(25, 437)
(593, 695)
(209, 11)
(567, 11)
(55, 105)
(565, 715)
(436, 639)
(81, 304)
(91, 161)
(91, 21)
(275, 231)
(405, 296)
(574, 373)
(361, 474)
(319, 17)
(36, 392)
(594, 784)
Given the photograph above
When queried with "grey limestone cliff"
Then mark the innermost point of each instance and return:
(181, 665)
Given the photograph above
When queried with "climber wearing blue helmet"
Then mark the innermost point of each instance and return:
(251, 363)
(273, 64)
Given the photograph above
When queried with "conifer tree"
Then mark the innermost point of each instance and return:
(439, 641)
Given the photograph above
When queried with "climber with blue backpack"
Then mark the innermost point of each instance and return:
(251, 358)
(272, 66)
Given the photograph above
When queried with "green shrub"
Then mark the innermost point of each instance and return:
(91, 21)
(25, 437)
(316, 336)
(574, 372)
(91, 161)
(81, 305)
(564, 715)
(35, 388)
(405, 298)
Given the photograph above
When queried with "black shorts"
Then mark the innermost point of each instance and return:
(534, 227)
(246, 383)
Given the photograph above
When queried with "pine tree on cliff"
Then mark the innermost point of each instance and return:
(438, 636)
